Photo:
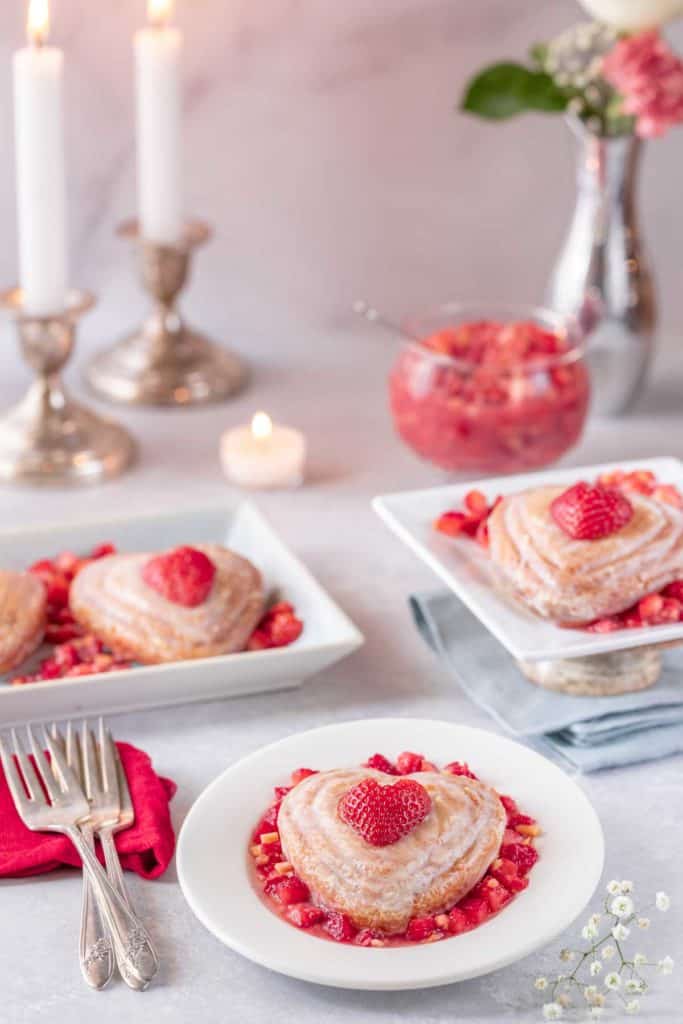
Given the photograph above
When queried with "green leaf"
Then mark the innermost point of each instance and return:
(503, 90)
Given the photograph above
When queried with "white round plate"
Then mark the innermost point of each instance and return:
(212, 857)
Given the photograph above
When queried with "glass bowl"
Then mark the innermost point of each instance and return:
(490, 389)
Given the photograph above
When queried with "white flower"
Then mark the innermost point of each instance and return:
(541, 984)
(665, 966)
(598, 999)
(552, 1011)
(626, 885)
(620, 932)
(622, 906)
(608, 952)
(564, 1000)
(632, 1006)
(639, 959)
(643, 923)
(613, 980)
(634, 986)
(590, 992)
(566, 955)
(589, 932)
(595, 920)
(662, 901)
(633, 15)
(595, 968)
(614, 887)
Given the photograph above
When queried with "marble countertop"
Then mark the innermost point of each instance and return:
(341, 171)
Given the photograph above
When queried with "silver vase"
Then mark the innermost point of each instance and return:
(602, 276)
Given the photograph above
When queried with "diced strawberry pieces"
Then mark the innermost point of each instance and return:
(420, 928)
(300, 774)
(460, 768)
(509, 804)
(305, 915)
(649, 607)
(674, 590)
(451, 523)
(458, 921)
(268, 823)
(522, 854)
(606, 625)
(291, 890)
(476, 503)
(279, 627)
(339, 926)
(102, 550)
(475, 908)
(497, 896)
(520, 819)
(482, 534)
(381, 764)
(504, 870)
(365, 937)
(408, 762)
(517, 883)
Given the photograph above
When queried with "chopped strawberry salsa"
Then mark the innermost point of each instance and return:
(490, 396)
(77, 653)
(289, 897)
(588, 512)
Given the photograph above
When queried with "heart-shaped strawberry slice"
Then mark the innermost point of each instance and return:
(183, 576)
(587, 512)
(382, 815)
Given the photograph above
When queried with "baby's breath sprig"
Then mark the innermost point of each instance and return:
(603, 971)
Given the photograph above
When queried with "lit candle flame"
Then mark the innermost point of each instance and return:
(38, 24)
(159, 12)
(261, 426)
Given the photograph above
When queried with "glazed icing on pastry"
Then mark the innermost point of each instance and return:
(424, 872)
(576, 580)
(111, 599)
(23, 612)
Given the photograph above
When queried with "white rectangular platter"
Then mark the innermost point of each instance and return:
(464, 567)
(328, 634)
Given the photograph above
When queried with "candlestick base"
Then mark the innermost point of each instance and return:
(48, 438)
(165, 362)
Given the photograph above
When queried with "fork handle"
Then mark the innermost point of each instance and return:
(131, 941)
(115, 873)
(95, 950)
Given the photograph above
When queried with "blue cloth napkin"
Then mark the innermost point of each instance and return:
(587, 733)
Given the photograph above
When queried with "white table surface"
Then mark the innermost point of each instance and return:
(324, 148)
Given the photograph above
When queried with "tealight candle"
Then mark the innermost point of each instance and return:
(263, 455)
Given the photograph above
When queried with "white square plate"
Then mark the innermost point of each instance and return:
(328, 634)
(465, 568)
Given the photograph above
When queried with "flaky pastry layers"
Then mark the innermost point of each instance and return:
(424, 872)
(580, 580)
(110, 598)
(23, 614)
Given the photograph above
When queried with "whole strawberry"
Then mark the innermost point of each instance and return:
(382, 815)
(589, 512)
(183, 576)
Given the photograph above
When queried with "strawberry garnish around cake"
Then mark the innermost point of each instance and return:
(382, 815)
(183, 576)
(590, 512)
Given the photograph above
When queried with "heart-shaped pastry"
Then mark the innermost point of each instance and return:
(423, 872)
(23, 613)
(578, 580)
(111, 599)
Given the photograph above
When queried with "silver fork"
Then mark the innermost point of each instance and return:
(107, 790)
(64, 810)
(96, 951)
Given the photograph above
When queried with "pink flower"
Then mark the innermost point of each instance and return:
(649, 77)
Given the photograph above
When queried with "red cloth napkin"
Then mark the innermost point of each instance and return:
(146, 847)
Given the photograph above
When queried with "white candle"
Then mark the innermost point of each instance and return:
(263, 455)
(158, 54)
(41, 182)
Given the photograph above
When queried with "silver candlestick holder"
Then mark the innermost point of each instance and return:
(164, 362)
(48, 438)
